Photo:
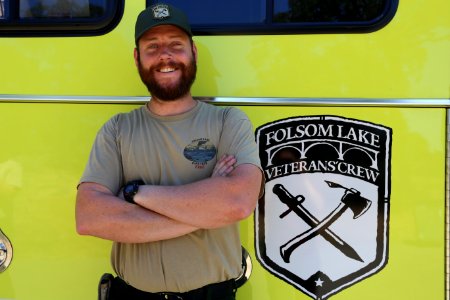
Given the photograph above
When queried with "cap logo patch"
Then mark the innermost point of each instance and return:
(161, 11)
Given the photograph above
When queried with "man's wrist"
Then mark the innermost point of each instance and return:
(131, 189)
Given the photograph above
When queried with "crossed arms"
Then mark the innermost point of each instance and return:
(165, 212)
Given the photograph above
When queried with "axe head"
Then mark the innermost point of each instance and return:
(359, 205)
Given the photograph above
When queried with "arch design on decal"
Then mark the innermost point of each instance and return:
(341, 148)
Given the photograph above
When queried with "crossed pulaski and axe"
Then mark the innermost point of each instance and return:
(352, 199)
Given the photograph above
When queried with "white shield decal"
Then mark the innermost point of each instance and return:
(322, 225)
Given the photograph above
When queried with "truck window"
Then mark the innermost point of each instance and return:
(58, 17)
(285, 16)
(2, 9)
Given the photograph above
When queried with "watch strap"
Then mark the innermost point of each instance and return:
(131, 189)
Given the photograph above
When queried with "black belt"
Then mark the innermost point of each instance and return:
(120, 290)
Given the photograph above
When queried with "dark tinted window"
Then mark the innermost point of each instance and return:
(2, 9)
(285, 16)
(29, 9)
(59, 17)
(327, 10)
(223, 12)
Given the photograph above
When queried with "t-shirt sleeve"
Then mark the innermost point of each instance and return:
(105, 164)
(238, 138)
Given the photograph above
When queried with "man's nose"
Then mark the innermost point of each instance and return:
(165, 53)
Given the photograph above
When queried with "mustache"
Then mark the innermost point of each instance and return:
(170, 64)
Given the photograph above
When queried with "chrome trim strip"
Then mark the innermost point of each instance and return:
(331, 101)
(71, 99)
(447, 212)
(419, 102)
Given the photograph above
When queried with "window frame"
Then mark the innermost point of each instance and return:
(269, 28)
(13, 26)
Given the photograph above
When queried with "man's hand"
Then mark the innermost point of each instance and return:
(224, 166)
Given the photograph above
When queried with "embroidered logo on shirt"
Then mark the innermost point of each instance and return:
(200, 151)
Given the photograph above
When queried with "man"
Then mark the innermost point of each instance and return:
(154, 184)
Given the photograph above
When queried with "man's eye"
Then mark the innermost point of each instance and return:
(152, 47)
(177, 45)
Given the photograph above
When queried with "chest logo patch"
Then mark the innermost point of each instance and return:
(199, 152)
(322, 225)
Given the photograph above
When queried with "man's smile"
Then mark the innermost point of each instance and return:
(167, 70)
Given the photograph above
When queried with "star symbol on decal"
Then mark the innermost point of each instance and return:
(319, 282)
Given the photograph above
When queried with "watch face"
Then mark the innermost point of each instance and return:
(129, 189)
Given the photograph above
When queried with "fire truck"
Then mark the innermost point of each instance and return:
(349, 102)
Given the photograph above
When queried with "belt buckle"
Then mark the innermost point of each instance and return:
(170, 296)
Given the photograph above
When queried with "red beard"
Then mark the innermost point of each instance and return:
(172, 92)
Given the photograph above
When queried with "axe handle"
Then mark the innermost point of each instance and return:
(304, 214)
(287, 249)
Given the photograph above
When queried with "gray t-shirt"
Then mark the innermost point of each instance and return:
(173, 150)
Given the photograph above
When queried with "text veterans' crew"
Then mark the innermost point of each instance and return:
(169, 181)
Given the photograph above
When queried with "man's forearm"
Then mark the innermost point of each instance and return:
(101, 214)
(209, 203)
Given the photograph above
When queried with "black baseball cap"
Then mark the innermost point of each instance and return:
(161, 14)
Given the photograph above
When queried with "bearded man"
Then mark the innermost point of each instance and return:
(169, 181)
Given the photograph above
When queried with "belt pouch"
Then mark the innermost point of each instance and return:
(104, 286)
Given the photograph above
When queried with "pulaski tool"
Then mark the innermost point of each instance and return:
(352, 199)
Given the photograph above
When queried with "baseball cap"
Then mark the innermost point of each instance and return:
(160, 14)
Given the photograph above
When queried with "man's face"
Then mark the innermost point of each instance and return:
(166, 62)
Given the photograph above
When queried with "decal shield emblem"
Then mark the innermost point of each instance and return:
(322, 225)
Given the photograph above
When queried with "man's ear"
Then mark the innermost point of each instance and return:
(136, 57)
(194, 51)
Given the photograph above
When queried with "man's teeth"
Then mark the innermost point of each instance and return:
(167, 70)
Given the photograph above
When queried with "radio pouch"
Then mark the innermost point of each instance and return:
(104, 286)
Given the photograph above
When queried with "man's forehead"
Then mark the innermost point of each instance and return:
(170, 31)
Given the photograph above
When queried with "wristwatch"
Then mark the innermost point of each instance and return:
(130, 189)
